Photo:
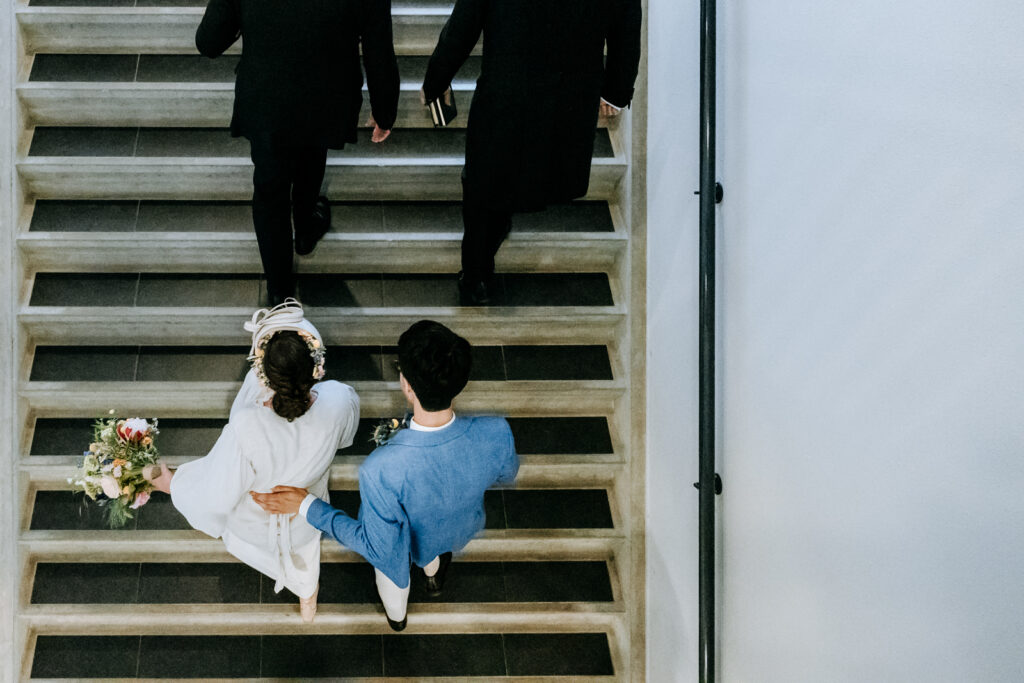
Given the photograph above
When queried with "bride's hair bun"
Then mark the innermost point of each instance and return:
(289, 371)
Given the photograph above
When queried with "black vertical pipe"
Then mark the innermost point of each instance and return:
(706, 441)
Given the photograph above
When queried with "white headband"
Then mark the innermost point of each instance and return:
(287, 316)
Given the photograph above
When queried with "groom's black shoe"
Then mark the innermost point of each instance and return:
(475, 291)
(436, 582)
(397, 625)
(320, 223)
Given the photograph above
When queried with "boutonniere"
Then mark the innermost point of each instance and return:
(383, 432)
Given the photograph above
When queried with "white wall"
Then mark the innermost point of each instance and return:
(872, 342)
(672, 175)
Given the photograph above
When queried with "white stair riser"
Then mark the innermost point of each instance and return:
(191, 252)
(211, 326)
(168, 30)
(193, 546)
(377, 399)
(349, 178)
(183, 105)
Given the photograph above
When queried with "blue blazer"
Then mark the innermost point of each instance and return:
(423, 494)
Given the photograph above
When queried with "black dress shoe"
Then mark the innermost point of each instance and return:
(436, 582)
(320, 223)
(475, 291)
(397, 625)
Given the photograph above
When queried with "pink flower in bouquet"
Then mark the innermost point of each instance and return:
(110, 487)
(133, 430)
(140, 500)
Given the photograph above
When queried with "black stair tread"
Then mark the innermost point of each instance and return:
(505, 509)
(338, 290)
(397, 5)
(340, 583)
(54, 215)
(79, 141)
(150, 68)
(192, 437)
(492, 655)
(345, 363)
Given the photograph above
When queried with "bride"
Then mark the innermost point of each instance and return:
(285, 427)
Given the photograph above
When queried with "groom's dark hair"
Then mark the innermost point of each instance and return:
(436, 363)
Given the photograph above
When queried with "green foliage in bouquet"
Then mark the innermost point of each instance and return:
(111, 470)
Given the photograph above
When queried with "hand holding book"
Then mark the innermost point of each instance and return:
(442, 109)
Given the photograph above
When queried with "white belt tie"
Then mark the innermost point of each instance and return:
(281, 539)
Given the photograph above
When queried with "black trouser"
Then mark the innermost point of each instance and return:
(485, 229)
(286, 180)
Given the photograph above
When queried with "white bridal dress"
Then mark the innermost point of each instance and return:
(259, 450)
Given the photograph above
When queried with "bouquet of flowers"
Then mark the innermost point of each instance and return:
(111, 471)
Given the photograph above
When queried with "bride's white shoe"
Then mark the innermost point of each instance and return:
(307, 606)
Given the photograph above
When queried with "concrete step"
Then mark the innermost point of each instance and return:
(213, 326)
(231, 178)
(493, 545)
(539, 440)
(141, 69)
(172, 30)
(378, 399)
(535, 471)
(191, 104)
(180, 90)
(208, 164)
(282, 619)
(591, 656)
(341, 583)
(426, 252)
(168, 291)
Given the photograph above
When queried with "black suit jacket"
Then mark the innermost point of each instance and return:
(533, 118)
(299, 79)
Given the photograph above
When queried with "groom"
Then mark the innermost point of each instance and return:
(423, 490)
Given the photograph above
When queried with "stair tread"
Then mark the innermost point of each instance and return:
(492, 655)
(101, 544)
(81, 362)
(172, 143)
(342, 290)
(559, 438)
(154, 70)
(509, 509)
(350, 220)
(340, 583)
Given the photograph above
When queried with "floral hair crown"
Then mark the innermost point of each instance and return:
(284, 317)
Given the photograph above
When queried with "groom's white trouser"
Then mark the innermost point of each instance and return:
(395, 599)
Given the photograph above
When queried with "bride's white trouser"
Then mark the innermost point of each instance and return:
(395, 599)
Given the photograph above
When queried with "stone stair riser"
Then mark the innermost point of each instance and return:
(349, 178)
(169, 30)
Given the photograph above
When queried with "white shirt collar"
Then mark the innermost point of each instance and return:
(417, 427)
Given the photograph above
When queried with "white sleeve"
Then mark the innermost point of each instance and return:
(306, 502)
(349, 413)
(208, 489)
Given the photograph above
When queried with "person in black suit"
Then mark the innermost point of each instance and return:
(534, 114)
(298, 91)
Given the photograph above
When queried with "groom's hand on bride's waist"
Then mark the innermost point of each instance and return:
(282, 500)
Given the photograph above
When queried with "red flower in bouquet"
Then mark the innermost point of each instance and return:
(133, 430)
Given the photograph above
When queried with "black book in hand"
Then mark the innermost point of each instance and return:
(442, 109)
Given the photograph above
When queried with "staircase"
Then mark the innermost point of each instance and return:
(140, 265)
